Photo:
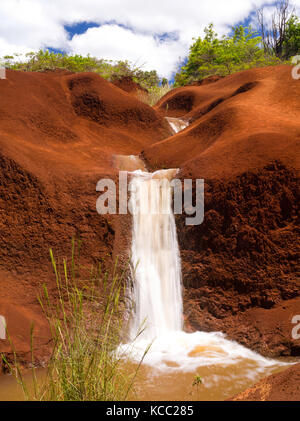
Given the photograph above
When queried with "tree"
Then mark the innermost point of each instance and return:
(291, 45)
(214, 55)
(44, 60)
(275, 36)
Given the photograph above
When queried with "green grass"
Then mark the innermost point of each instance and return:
(155, 93)
(86, 319)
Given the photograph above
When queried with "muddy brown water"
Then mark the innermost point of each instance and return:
(218, 383)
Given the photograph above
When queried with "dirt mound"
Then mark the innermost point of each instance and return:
(207, 80)
(236, 124)
(95, 99)
(128, 85)
(177, 102)
(59, 132)
(283, 386)
(240, 265)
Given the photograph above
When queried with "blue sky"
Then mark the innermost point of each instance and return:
(79, 27)
(155, 35)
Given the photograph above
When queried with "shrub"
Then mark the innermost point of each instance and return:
(155, 93)
(86, 319)
(291, 44)
(212, 55)
(46, 60)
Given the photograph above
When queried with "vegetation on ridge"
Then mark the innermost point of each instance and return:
(209, 55)
(244, 48)
(86, 320)
(213, 55)
(108, 69)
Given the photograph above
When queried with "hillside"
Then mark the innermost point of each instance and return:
(240, 267)
(58, 135)
(59, 132)
(284, 386)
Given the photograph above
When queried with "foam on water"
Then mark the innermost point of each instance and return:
(188, 351)
(157, 291)
(177, 124)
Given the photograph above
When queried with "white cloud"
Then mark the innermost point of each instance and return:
(27, 25)
(269, 10)
(114, 42)
(32, 24)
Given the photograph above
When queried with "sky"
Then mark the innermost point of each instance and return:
(153, 34)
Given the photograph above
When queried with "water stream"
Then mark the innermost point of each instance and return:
(157, 291)
(177, 124)
(155, 256)
(175, 356)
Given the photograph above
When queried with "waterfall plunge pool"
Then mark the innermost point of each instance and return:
(175, 357)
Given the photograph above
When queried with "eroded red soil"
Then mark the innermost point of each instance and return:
(283, 386)
(58, 134)
(241, 266)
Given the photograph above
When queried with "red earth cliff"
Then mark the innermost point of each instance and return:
(59, 133)
(283, 386)
(241, 265)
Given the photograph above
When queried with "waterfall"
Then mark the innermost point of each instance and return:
(155, 256)
(156, 291)
(177, 124)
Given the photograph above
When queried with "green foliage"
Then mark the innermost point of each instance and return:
(213, 55)
(291, 45)
(86, 319)
(154, 94)
(196, 387)
(197, 380)
(147, 79)
(46, 61)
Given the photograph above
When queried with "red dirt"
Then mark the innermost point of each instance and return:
(241, 266)
(58, 134)
(128, 85)
(283, 386)
(207, 80)
(237, 124)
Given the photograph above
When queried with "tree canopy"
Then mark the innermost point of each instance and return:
(291, 45)
(213, 55)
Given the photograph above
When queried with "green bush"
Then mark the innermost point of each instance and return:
(86, 318)
(291, 45)
(154, 94)
(111, 70)
(213, 55)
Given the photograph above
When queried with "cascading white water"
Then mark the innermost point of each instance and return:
(155, 256)
(156, 291)
(177, 124)
(157, 296)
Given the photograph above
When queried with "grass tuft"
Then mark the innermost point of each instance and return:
(155, 93)
(86, 319)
